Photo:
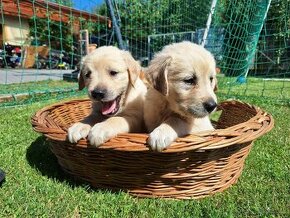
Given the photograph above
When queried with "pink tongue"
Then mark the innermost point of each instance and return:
(109, 107)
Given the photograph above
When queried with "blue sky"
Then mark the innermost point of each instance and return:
(86, 5)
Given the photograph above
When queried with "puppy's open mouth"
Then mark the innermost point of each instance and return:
(110, 108)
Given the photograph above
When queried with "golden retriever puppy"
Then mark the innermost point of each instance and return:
(183, 79)
(117, 93)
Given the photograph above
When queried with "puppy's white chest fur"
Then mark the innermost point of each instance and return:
(201, 124)
(138, 91)
(155, 109)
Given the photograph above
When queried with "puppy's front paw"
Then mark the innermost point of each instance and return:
(99, 134)
(78, 131)
(160, 138)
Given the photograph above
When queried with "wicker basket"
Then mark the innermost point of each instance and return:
(194, 166)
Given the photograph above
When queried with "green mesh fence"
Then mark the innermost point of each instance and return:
(255, 57)
(42, 42)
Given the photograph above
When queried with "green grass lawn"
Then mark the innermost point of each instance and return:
(279, 89)
(254, 87)
(27, 93)
(35, 186)
(39, 86)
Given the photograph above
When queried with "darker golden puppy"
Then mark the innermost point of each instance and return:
(183, 77)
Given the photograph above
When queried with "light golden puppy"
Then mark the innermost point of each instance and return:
(117, 93)
(183, 77)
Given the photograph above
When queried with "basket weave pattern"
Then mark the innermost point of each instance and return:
(192, 167)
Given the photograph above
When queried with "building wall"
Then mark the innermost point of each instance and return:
(15, 31)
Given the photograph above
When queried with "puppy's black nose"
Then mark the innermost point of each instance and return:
(98, 94)
(209, 105)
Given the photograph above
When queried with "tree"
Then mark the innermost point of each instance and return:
(141, 18)
(240, 21)
(57, 35)
(274, 42)
(67, 3)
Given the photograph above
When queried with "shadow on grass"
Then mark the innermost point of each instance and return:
(40, 157)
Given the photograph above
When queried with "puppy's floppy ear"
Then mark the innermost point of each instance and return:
(215, 79)
(133, 66)
(215, 85)
(157, 73)
(218, 70)
(81, 79)
(81, 75)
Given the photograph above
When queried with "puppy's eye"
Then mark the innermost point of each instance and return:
(88, 74)
(113, 73)
(191, 80)
(211, 79)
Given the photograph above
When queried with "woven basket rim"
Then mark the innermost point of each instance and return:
(261, 123)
